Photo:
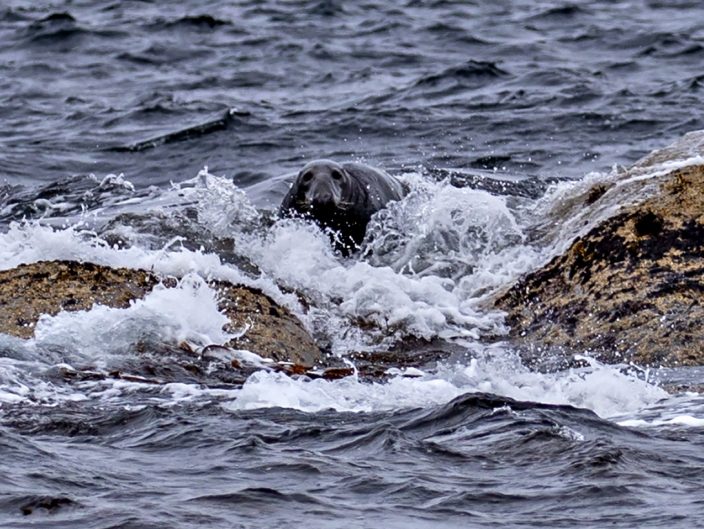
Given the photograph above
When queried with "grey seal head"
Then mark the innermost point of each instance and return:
(341, 198)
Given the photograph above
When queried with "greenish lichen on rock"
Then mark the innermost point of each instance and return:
(631, 288)
(48, 287)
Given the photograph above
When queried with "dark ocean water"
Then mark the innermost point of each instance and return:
(477, 461)
(534, 87)
(532, 91)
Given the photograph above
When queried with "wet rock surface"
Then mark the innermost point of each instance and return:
(270, 329)
(631, 288)
(263, 327)
(48, 287)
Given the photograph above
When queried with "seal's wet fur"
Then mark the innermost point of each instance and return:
(341, 198)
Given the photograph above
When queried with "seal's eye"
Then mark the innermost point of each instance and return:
(307, 177)
(336, 175)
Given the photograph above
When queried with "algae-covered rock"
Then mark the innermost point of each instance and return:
(48, 287)
(632, 287)
(270, 329)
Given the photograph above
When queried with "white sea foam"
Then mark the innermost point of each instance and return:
(21, 382)
(679, 420)
(438, 251)
(603, 389)
(102, 338)
(428, 265)
(441, 230)
(683, 410)
(31, 242)
(186, 313)
(297, 254)
(222, 205)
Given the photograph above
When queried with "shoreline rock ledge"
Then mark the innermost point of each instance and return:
(631, 289)
(48, 287)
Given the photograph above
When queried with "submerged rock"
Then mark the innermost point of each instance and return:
(631, 289)
(48, 287)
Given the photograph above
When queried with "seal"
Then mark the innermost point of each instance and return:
(341, 198)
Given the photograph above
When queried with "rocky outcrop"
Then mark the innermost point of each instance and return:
(271, 330)
(631, 289)
(48, 287)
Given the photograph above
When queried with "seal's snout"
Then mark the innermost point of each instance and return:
(321, 198)
(321, 193)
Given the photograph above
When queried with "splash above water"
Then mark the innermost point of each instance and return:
(426, 270)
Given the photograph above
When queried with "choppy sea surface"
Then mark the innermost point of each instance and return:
(175, 129)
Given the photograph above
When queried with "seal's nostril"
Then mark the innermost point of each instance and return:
(322, 198)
